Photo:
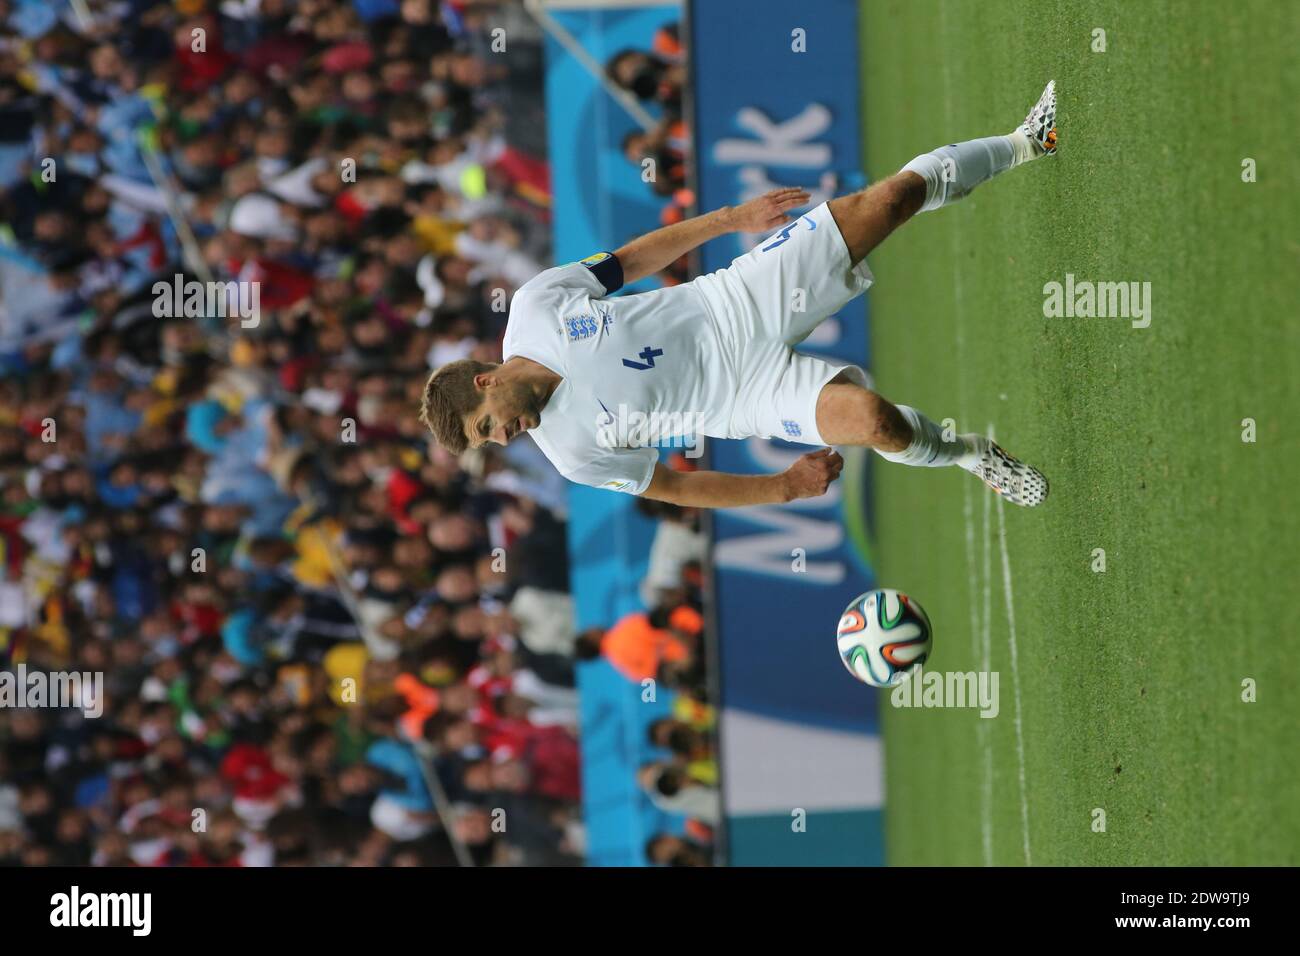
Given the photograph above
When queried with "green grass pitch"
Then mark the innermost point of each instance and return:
(1129, 682)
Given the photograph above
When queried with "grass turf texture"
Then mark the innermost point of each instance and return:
(1130, 681)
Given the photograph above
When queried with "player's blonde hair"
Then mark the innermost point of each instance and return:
(450, 395)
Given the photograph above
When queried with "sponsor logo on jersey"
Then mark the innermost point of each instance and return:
(617, 485)
(791, 428)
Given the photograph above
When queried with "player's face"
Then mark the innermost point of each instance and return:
(507, 410)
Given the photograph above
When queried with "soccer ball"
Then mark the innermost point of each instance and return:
(883, 635)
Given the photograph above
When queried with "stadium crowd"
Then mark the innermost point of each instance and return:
(291, 594)
(322, 635)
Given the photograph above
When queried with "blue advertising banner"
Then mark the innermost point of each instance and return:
(775, 98)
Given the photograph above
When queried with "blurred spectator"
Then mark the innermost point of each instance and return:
(658, 74)
(674, 790)
(666, 849)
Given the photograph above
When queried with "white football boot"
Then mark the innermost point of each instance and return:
(1040, 124)
(1010, 477)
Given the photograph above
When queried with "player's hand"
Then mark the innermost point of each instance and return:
(769, 210)
(812, 474)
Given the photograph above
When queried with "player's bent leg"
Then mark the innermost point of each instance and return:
(942, 176)
(866, 218)
(850, 414)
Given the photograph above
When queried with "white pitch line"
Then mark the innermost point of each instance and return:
(1015, 673)
(986, 665)
(968, 516)
(980, 591)
(968, 513)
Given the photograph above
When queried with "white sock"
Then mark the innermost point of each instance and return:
(1024, 147)
(951, 172)
(929, 449)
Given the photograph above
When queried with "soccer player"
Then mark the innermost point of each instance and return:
(591, 377)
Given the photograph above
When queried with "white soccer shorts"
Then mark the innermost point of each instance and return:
(768, 301)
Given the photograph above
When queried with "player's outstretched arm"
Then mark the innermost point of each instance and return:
(808, 477)
(656, 250)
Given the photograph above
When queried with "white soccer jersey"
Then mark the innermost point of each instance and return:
(656, 354)
(713, 356)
